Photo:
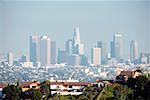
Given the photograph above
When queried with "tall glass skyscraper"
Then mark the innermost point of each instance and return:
(34, 48)
(118, 47)
(133, 51)
(40, 49)
(45, 51)
(112, 50)
(104, 52)
(69, 47)
(53, 52)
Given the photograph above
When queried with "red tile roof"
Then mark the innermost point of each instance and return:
(69, 83)
(26, 84)
(2, 85)
(127, 73)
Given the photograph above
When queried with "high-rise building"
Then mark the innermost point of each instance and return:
(53, 52)
(143, 59)
(62, 56)
(74, 60)
(80, 50)
(118, 47)
(112, 49)
(78, 47)
(148, 57)
(69, 47)
(96, 56)
(24, 58)
(10, 58)
(133, 51)
(34, 48)
(84, 60)
(104, 53)
(45, 51)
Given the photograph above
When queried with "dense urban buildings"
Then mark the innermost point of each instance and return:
(43, 51)
(70, 71)
(44, 56)
(47, 61)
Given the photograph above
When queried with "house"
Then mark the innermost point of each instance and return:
(124, 75)
(127, 74)
(28, 85)
(66, 88)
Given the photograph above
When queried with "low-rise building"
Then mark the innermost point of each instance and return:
(66, 88)
(28, 85)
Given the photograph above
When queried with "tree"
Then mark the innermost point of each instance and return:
(141, 81)
(146, 92)
(120, 92)
(35, 94)
(106, 93)
(44, 89)
(131, 82)
(12, 92)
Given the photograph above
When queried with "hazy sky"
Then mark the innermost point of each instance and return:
(97, 20)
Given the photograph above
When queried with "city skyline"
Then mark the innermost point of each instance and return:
(42, 49)
(133, 27)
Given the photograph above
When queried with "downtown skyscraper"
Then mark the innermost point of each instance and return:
(104, 52)
(40, 49)
(117, 47)
(78, 47)
(69, 47)
(45, 51)
(53, 52)
(75, 49)
(96, 56)
(133, 51)
(10, 58)
(34, 48)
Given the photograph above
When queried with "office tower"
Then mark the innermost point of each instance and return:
(78, 47)
(24, 58)
(83, 60)
(80, 50)
(10, 58)
(96, 56)
(69, 47)
(104, 53)
(148, 57)
(74, 60)
(117, 39)
(133, 51)
(62, 56)
(143, 59)
(45, 51)
(112, 50)
(34, 48)
(53, 52)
